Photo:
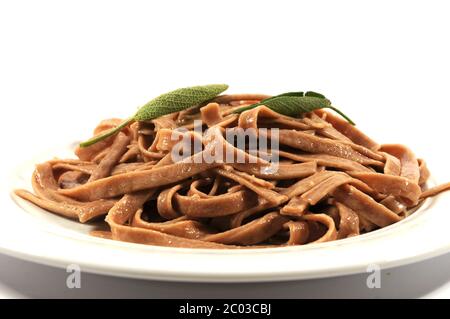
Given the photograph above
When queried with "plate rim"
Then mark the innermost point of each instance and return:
(222, 276)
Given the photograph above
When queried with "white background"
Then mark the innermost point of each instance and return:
(64, 65)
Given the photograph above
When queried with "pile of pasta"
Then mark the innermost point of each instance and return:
(332, 181)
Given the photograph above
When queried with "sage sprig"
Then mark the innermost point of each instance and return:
(295, 103)
(164, 104)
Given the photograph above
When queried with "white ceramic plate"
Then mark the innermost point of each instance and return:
(28, 232)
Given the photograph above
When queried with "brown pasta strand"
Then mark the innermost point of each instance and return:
(332, 182)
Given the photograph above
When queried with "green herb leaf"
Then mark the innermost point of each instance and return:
(296, 103)
(164, 104)
(178, 100)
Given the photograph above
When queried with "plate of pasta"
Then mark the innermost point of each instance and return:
(199, 185)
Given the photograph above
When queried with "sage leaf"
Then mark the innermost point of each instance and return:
(178, 100)
(295, 103)
(164, 104)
